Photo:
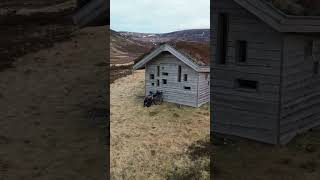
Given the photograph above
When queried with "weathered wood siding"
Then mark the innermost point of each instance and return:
(203, 88)
(300, 88)
(173, 91)
(239, 112)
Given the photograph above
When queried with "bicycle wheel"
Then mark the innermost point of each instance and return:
(147, 103)
(158, 100)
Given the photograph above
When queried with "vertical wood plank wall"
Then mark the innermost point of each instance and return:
(301, 88)
(249, 114)
(203, 88)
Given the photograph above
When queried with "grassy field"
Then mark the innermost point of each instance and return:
(53, 111)
(160, 142)
(243, 159)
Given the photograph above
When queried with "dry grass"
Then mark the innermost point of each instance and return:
(47, 130)
(153, 143)
(243, 159)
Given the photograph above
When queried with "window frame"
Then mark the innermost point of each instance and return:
(222, 39)
(316, 68)
(164, 81)
(185, 77)
(240, 86)
(158, 71)
(241, 51)
(308, 49)
(179, 73)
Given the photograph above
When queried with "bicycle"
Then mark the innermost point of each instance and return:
(153, 98)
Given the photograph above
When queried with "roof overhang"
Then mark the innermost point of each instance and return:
(177, 54)
(280, 21)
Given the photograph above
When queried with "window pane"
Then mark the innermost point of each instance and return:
(179, 74)
(247, 84)
(222, 38)
(316, 67)
(242, 51)
(164, 81)
(186, 77)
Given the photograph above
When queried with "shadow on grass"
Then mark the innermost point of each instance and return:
(242, 159)
(199, 153)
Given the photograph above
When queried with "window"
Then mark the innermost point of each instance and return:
(185, 78)
(158, 70)
(179, 74)
(241, 50)
(158, 82)
(164, 81)
(247, 84)
(222, 38)
(151, 76)
(316, 67)
(308, 48)
(187, 88)
(152, 84)
(165, 74)
(206, 76)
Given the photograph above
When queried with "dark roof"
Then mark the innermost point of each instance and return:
(280, 21)
(298, 8)
(195, 51)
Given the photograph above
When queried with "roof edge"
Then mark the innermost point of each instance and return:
(173, 51)
(279, 20)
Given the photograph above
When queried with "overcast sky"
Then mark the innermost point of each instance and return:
(159, 16)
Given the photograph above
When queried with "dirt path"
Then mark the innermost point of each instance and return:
(53, 111)
(149, 143)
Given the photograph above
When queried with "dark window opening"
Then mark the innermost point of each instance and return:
(151, 76)
(308, 48)
(316, 68)
(158, 82)
(152, 84)
(241, 51)
(222, 38)
(158, 70)
(185, 78)
(165, 74)
(179, 74)
(164, 81)
(187, 88)
(247, 84)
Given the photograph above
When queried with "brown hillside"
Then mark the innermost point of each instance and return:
(124, 50)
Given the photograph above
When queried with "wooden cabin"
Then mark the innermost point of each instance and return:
(265, 71)
(179, 70)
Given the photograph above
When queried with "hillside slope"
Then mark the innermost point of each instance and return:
(124, 50)
(198, 35)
